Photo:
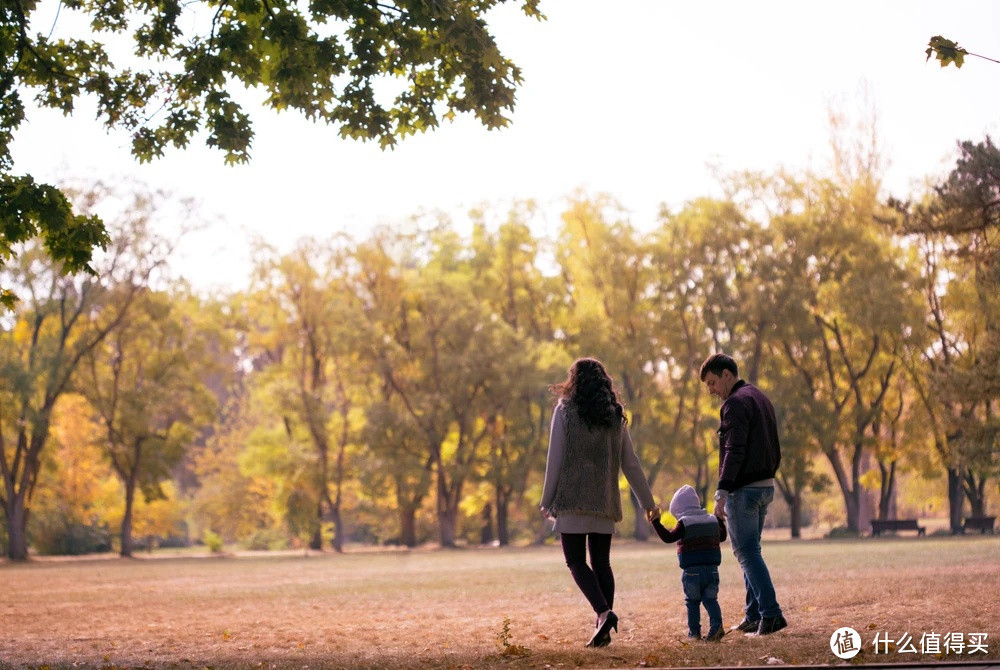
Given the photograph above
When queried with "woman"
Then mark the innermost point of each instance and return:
(589, 444)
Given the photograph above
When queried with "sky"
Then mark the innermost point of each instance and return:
(643, 100)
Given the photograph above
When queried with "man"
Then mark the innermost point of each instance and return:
(749, 454)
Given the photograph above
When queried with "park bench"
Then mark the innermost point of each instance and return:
(893, 525)
(980, 523)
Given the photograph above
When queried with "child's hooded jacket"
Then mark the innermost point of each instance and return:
(697, 532)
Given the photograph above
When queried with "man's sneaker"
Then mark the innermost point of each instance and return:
(746, 626)
(715, 635)
(771, 625)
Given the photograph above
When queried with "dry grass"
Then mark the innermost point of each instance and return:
(446, 609)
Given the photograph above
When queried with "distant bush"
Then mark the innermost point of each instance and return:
(150, 542)
(212, 541)
(841, 532)
(266, 539)
(71, 539)
(173, 542)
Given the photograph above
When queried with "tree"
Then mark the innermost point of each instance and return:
(607, 274)
(845, 345)
(42, 345)
(145, 383)
(189, 62)
(506, 277)
(397, 453)
(896, 431)
(692, 274)
(730, 282)
(439, 351)
(228, 500)
(839, 337)
(306, 330)
(956, 229)
(66, 511)
(396, 432)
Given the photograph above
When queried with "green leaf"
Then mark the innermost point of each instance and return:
(946, 51)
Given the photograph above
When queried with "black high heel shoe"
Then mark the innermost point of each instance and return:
(602, 636)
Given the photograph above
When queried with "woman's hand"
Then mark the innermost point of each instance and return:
(653, 514)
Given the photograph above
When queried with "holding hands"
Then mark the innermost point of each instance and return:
(720, 504)
(653, 514)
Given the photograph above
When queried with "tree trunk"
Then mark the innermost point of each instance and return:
(956, 500)
(887, 490)
(447, 524)
(448, 497)
(703, 493)
(795, 514)
(337, 541)
(17, 528)
(126, 548)
(977, 506)
(338, 521)
(486, 532)
(852, 503)
(850, 489)
(408, 526)
(975, 492)
(641, 524)
(503, 530)
(317, 539)
(793, 499)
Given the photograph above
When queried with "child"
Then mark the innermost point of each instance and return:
(697, 535)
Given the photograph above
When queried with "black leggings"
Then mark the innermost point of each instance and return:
(597, 582)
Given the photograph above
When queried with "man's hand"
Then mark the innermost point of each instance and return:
(653, 514)
(720, 503)
(546, 514)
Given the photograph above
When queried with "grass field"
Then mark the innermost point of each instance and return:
(446, 609)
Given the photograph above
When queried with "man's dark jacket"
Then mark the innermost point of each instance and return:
(748, 438)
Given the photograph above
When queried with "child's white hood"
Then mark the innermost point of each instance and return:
(685, 503)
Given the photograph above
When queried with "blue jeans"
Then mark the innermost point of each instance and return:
(745, 512)
(701, 587)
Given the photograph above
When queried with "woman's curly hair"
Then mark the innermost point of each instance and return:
(589, 387)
